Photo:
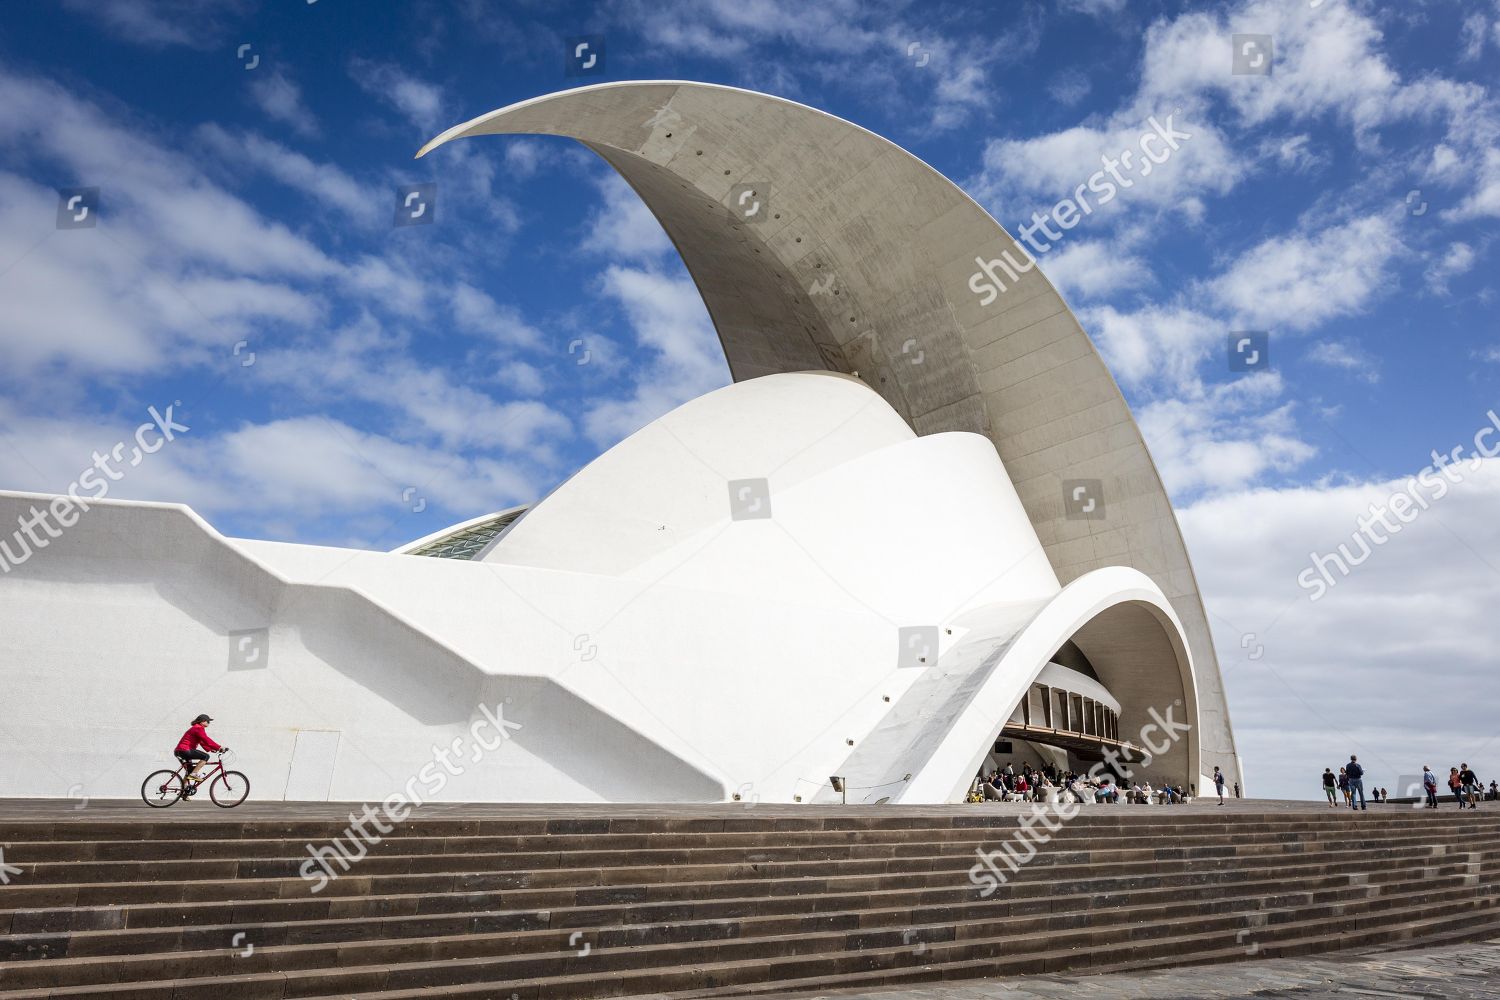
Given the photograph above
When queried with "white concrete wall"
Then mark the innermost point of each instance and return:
(700, 658)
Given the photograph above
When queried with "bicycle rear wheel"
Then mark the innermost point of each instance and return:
(229, 789)
(162, 789)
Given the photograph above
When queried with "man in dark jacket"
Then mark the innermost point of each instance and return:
(1356, 782)
(1470, 781)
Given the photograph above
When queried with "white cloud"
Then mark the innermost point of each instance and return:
(1294, 153)
(1069, 86)
(475, 310)
(1457, 260)
(1162, 344)
(1383, 652)
(1020, 176)
(1475, 30)
(363, 362)
(325, 183)
(1223, 437)
(1484, 201)
(280, 99)
(159, 24)
(944, 77)
(1094, 8)
(1346, 357)
(524, 379)
(682, 358)
(1088, 269)
(623, 227)
(1301, 281)
(419, 101)
(292, 471)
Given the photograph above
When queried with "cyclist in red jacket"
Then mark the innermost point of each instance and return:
(187, 750)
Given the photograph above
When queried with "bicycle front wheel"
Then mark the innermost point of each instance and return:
(162, 789)
(229, 789)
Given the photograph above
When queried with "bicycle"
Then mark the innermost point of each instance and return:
(165, 788)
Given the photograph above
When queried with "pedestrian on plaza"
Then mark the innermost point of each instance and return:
(1330, 786)
(1456, 785)
(1429, 786)
(1219, 784)
(1471, 786)
(1344, 784)
(1356, 782)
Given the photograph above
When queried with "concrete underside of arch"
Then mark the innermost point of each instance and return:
(859, 261)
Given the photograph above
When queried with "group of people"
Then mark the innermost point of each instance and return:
(1462, 782)
(1047, 784)
(1465, 785)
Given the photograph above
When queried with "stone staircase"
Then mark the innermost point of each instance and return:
(555, 901)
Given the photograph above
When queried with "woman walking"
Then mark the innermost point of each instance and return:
(1344, 785)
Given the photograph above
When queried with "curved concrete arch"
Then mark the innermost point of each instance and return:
(859, 260)
(946, 722)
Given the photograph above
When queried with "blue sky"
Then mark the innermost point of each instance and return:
(248, 157)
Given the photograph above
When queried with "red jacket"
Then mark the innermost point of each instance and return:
(195, 737)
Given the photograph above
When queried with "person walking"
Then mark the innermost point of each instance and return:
(1356, 782)
(1470, 782)
(1330, 787)
(1219, 784)
(1429, 785)
(1455, 784)
(1344, 784)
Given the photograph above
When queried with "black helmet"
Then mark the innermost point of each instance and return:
(205, 717)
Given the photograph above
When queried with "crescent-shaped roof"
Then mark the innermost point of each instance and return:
(857, 257)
